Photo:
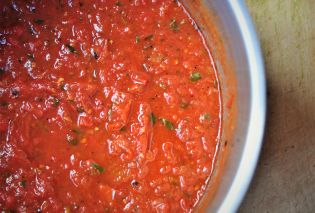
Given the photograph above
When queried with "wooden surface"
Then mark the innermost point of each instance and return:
(285, 178)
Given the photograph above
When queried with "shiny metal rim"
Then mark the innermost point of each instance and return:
(255, 131)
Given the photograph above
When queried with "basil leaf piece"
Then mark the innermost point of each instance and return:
(98, 167)
(167, 124)
(195, 76)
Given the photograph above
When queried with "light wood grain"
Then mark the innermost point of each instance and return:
(285, 177)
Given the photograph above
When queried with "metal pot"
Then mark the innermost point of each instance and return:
(231, 37)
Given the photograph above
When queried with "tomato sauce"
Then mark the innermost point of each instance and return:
(105, 106)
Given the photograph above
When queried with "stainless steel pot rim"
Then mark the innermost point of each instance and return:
(254, 138)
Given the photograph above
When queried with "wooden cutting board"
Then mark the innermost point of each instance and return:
(285, 178)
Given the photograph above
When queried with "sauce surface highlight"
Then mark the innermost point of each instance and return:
(105, 106)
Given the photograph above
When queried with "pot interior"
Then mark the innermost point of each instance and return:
(221, 25)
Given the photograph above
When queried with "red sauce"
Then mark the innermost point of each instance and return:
(105, 106)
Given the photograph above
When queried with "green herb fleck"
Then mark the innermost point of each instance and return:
(30, 56)
(167, 123)
(72, 140)
(71, 48)
(118, 3)
(23, 183)
(2, 71)
(174, 25)
(195, 76)
(98, 167)
(162, 85)
(110, 111)
(56, 102)
(152, 118)
(205, 117)
(39, 21)
(148, 38)
(63, 87)
(76, 131)
(137, 39)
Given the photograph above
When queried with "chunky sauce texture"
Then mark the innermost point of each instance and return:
(105, 106)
